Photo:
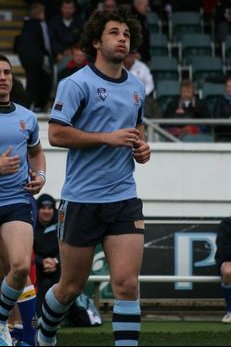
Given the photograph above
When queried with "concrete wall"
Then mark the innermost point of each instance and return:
(181, 180)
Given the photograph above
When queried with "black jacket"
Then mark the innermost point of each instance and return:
(223, 242)
(31, 46)
(46, 241)
(222, 109)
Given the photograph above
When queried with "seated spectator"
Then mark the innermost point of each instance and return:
(77, 62)
(46, 247)
(142, 71)
(223, 262)
(222, 109)
(65, 29)
(187, 105)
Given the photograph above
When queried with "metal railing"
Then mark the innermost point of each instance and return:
(97, 279)
(154, 128)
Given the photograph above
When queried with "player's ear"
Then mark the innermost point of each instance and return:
(96, 44)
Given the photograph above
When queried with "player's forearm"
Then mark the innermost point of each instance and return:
(68, 137)
(37, 161)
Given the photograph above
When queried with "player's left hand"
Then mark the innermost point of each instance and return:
(35, 185)
(142, 152)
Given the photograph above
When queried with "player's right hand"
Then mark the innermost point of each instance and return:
(9, 165)
(128, 137)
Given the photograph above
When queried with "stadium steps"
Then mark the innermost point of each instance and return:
(12, 13)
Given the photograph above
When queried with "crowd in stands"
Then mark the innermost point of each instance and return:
(51, 35)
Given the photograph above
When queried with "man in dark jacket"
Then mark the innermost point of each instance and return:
(186, 106)
(33, 47)
(223, 261)
(46, 247)
(65, 29)
(222, 109)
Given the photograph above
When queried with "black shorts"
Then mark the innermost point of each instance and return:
(16, 212)
(86, 225)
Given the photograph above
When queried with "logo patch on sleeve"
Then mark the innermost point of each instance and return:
(58, 106)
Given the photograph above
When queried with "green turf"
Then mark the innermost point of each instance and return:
(153, 334)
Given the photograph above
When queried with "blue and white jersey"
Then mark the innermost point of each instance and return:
(92, 102)
(18, 129)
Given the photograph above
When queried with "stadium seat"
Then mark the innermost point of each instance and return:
(206, 68)
(184, 22)
(196, 44)
(154, 22)
(164, 68)
(159, 45)
(210, 92)
(198, 138)
(165, 92)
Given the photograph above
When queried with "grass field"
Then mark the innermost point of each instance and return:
(153, 334)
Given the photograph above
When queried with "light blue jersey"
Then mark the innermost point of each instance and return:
(18, 129)
(93, 102)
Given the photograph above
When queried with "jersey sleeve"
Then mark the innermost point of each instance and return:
(34, 140)
(69, 99)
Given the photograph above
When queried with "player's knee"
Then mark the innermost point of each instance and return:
(126, 288)
(20, 271)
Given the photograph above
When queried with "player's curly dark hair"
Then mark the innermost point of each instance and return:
(96, 24)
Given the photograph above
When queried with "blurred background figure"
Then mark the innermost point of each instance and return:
(34, 52)
(223, 262)
(46, 247)
(140, 9)
(78, 60)
(187, 105)
(65, 29)
(142, 71)
(222, 109)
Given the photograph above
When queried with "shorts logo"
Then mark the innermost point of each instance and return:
(59, 106)
(102, 93)
(139, 224)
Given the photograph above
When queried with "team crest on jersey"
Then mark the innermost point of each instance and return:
(136, 98)
(22, 125)
(102, 93)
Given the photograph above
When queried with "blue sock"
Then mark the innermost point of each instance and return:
(126, 322)
(27, 308)
(8, 298)
(53, 313)
(227, 295)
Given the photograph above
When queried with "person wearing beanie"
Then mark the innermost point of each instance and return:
(46, 247)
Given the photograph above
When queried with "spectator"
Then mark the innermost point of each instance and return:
(222, 19)
(33, 48)
(223, 261)
(222, 109)
(140, 8)
(46, 247)
(65, 29)
(142, 71)
(187, 105)
(77, 62)
(18, 93)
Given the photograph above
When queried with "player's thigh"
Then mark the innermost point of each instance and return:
(124, 254)
(76, 263)
(17, 237)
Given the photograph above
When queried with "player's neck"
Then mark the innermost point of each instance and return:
(111, 70)
(4, 103)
